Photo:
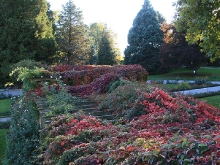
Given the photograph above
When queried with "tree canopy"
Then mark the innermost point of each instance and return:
(175, 51)
(104, 49)
(201, 21)
(72, 35)
(26, 32)
(144, 39)
(95, 33)
(108, 52)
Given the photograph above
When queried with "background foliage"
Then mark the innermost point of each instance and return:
(200, 20)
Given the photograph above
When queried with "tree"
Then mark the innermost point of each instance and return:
(175, 52)
(95, 33)
(26, 32)
(108, 52)
(53, 17)
(72, 35)
(144, 39)
(200, 20)
(103, 45)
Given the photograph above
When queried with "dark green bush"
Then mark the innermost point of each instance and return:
(23, 138)
(4, 125)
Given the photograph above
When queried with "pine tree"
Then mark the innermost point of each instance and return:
(105, 54)
(144, 39)
(104, 40)
(108, 52)
(26, 32)
(72, 35)
(45, 34)
(95, 33)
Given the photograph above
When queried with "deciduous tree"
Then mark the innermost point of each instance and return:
(175, 52)
(201, 21)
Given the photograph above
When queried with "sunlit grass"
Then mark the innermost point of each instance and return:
(186, 74)
(213, 100)
(5, 106)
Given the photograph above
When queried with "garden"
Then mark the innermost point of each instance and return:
(149, 125)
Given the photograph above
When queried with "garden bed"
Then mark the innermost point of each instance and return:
(151, 126)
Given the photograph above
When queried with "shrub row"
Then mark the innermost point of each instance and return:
(105, 76)
(90, 73)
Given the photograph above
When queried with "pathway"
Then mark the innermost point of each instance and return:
(11, 92)
(199, 91)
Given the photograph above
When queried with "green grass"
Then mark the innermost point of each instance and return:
(186, 74)
(213, 100)
(2, 144)
(181, 86)
(5, 106)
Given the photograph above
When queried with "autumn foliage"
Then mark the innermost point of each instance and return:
(85, 74)
(150, 127)
(171, 130)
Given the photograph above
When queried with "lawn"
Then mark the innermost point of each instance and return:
(181, 86)
(207, 73)
(5, 106)
(213, 100)
(2, 144)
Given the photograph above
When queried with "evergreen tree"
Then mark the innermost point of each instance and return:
(72, 35)
(108, 51)
(95, 33)
(101, 37)
(53, 17)
(144, 39)
(26, 32)
(45, 34)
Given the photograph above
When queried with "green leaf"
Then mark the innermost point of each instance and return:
(202, 148)
(187, 162)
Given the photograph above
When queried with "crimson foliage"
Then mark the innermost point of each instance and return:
(172, 130)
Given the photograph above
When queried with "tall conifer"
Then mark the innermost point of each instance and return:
(26, 32)
(144, 39)
(72, 35)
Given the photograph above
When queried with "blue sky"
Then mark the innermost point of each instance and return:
(117, 14)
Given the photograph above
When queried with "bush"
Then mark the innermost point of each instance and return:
(123, 97)
(58, 99)
(23, 136)
(183, 86)
(81, 75)
(27, 70)
(5, 125)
